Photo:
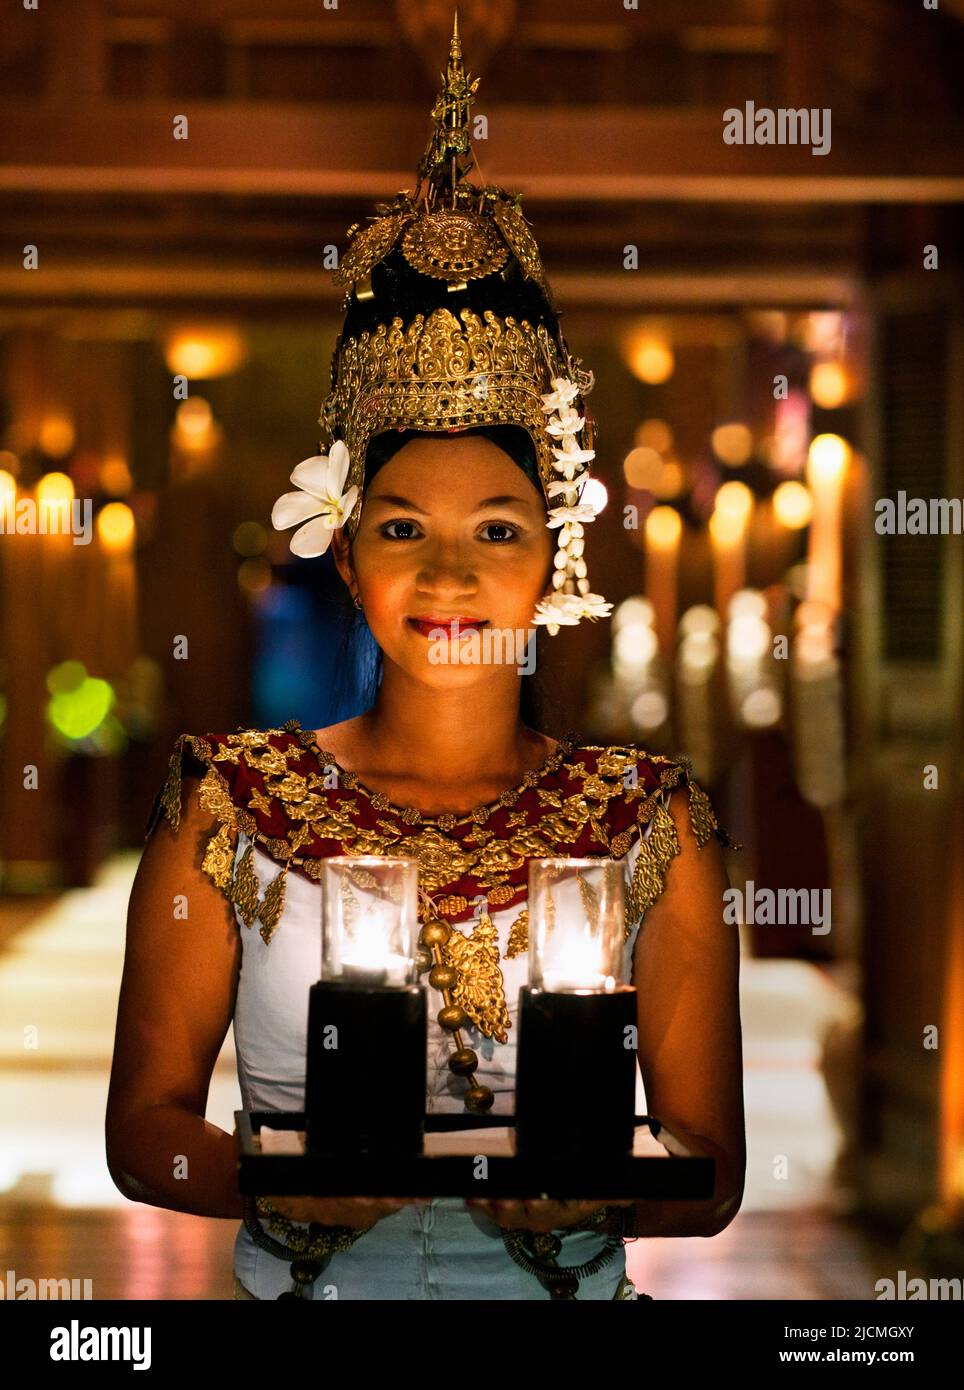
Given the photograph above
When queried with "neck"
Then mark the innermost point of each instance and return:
(454, 735)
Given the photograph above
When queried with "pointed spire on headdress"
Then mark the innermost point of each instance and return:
(448, 156)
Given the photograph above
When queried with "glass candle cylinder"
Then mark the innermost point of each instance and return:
(576, 1066)
(369, 920)
(367, 1033)
(577, 913)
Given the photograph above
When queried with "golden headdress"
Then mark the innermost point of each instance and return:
(450, 324)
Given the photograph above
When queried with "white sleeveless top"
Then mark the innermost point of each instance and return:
(399, 1256)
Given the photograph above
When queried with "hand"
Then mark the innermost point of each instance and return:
(537, 1214)
(360, 1213)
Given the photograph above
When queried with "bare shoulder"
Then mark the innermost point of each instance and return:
(340, 739)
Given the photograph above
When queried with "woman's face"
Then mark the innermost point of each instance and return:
(451, 530)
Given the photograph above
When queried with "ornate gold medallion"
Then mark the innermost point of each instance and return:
(452, 244)
(369, 246)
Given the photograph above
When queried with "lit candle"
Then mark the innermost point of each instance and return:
(663, 531)
(365, 1075)
(576, 1066)
(115, 538)
(733, 507)
(366, 955)
(827, 464)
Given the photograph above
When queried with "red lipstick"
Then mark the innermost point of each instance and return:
(448, 627)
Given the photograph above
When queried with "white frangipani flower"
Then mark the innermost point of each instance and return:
(320, 503)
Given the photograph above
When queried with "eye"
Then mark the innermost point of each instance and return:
(408, 530)
(499, 532)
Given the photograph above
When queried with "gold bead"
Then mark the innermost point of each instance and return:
(463, 1060)
(444, 977)
(452, 1017)
(478, 1099)
(434, 933)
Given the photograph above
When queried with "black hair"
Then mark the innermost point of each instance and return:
(360, 655)
(399, 289)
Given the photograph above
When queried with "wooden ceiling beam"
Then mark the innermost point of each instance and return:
(204, 285)
(370, 151)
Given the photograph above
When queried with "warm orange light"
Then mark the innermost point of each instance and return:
(8, 489)
(194, 423)
(735, 500)
(203, 352)
(56, 435)
(655, 434)
(642, 468)
(828, 385)
(827, 459)
(55, 492)
(664, 527)
(732, 443)
(654, 363)
(115, 526)
(115, 476)
(792, 506)
(726, 528)
(670, 481)
(54, 488)
(649, 356)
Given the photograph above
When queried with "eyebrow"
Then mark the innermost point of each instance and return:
(404, 502)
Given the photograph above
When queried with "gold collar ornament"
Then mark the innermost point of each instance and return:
(451, 325)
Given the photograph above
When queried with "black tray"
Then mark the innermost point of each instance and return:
(649, 1172)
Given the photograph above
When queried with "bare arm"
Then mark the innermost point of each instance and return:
(176, 1003)
(686, 969)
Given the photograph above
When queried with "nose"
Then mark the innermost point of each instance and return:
(446, 573)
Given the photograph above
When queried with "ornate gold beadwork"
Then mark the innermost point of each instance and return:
(244, 888)
(218, 858)
(518, 935)
(655, 853)
(481, 990)
(701, 814)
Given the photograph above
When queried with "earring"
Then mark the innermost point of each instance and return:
(356, 601)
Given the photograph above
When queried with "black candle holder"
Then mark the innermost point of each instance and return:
(365, 1074)
(576, 1073)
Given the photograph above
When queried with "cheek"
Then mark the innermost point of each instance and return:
(384, 578)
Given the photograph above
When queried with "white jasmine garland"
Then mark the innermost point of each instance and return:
(568, 421)
(566, 610)
(564, 393)
(571, 600)
(320, 503)
(570, 459)
(562, 516)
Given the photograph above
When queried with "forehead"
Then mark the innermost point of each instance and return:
(458, 467)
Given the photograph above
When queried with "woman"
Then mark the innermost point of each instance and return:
(434, 498)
